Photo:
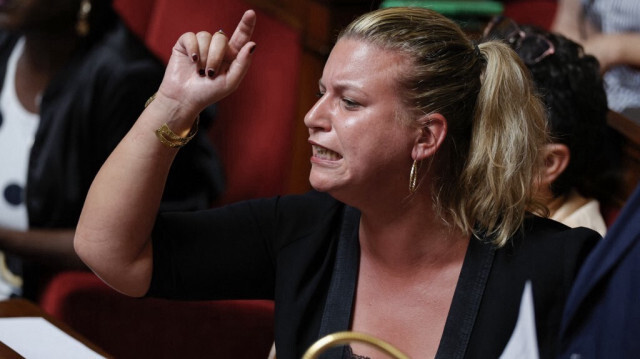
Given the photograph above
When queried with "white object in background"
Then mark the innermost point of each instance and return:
(35, 338)
(523, 343)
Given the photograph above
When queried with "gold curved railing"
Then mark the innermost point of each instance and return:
(342, 338)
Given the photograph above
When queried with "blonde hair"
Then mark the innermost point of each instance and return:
(496, 122)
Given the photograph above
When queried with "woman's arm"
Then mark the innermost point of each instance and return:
(113, 233)
(569, 20)
(614, 49)
(610, 49)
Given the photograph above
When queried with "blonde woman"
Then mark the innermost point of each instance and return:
(424, 150)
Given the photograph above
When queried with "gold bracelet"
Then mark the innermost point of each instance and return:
(170, 138)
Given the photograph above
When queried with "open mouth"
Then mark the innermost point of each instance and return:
(325, 153)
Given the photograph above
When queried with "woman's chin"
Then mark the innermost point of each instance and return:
(320, 182)
(318, 185)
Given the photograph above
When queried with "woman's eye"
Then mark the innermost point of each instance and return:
(319, 94)
(350, 103)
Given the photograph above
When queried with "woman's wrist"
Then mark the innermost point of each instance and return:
(167, 136)
(176, 115)
(629, 49)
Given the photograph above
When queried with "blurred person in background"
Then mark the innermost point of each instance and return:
(609, 30)
(73, 80)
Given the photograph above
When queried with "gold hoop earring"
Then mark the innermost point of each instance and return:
(413, 177)
(82, 25)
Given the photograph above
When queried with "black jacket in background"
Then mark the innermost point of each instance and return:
(85, 111)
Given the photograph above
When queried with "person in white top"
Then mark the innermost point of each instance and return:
(579, 163)
(73, 80)
(18, 128)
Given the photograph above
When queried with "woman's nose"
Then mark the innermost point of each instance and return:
(318, 117)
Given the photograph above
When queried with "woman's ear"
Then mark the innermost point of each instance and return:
(431, 134)
(556, 158)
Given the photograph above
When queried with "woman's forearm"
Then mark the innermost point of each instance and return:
(569, 20)
(113, 235)
(616, 49)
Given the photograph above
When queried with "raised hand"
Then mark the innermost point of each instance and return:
(113, 234)
(205, 67)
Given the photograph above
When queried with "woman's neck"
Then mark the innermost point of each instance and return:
(43, 56)
(563, 206)
(409, 233)
(48, 52)
(554, 203)
(410, 262)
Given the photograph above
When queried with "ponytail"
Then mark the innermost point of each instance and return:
(508, 131)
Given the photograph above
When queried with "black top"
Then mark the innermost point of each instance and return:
(86, 110)
(303, 252)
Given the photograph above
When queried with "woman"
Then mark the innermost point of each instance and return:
(416, 232)
(73, 81)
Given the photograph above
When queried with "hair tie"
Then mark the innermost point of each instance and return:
(476, 49)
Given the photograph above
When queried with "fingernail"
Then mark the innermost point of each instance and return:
(201, 72)
(210, 72)
(194, 57)
(253, 48)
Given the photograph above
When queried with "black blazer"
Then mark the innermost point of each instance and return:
(303, 252)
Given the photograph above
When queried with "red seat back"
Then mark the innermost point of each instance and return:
(253, 127)
(136, 328)
(532, 12)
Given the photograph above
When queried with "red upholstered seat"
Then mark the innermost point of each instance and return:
(254, 126)
(532, 12)
(128, 327)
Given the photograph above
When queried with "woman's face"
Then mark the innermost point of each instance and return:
(24, 15)
(360, 147)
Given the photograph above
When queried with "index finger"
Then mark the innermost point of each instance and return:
(242, 35)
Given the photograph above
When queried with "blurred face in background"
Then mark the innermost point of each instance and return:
(38, 15)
